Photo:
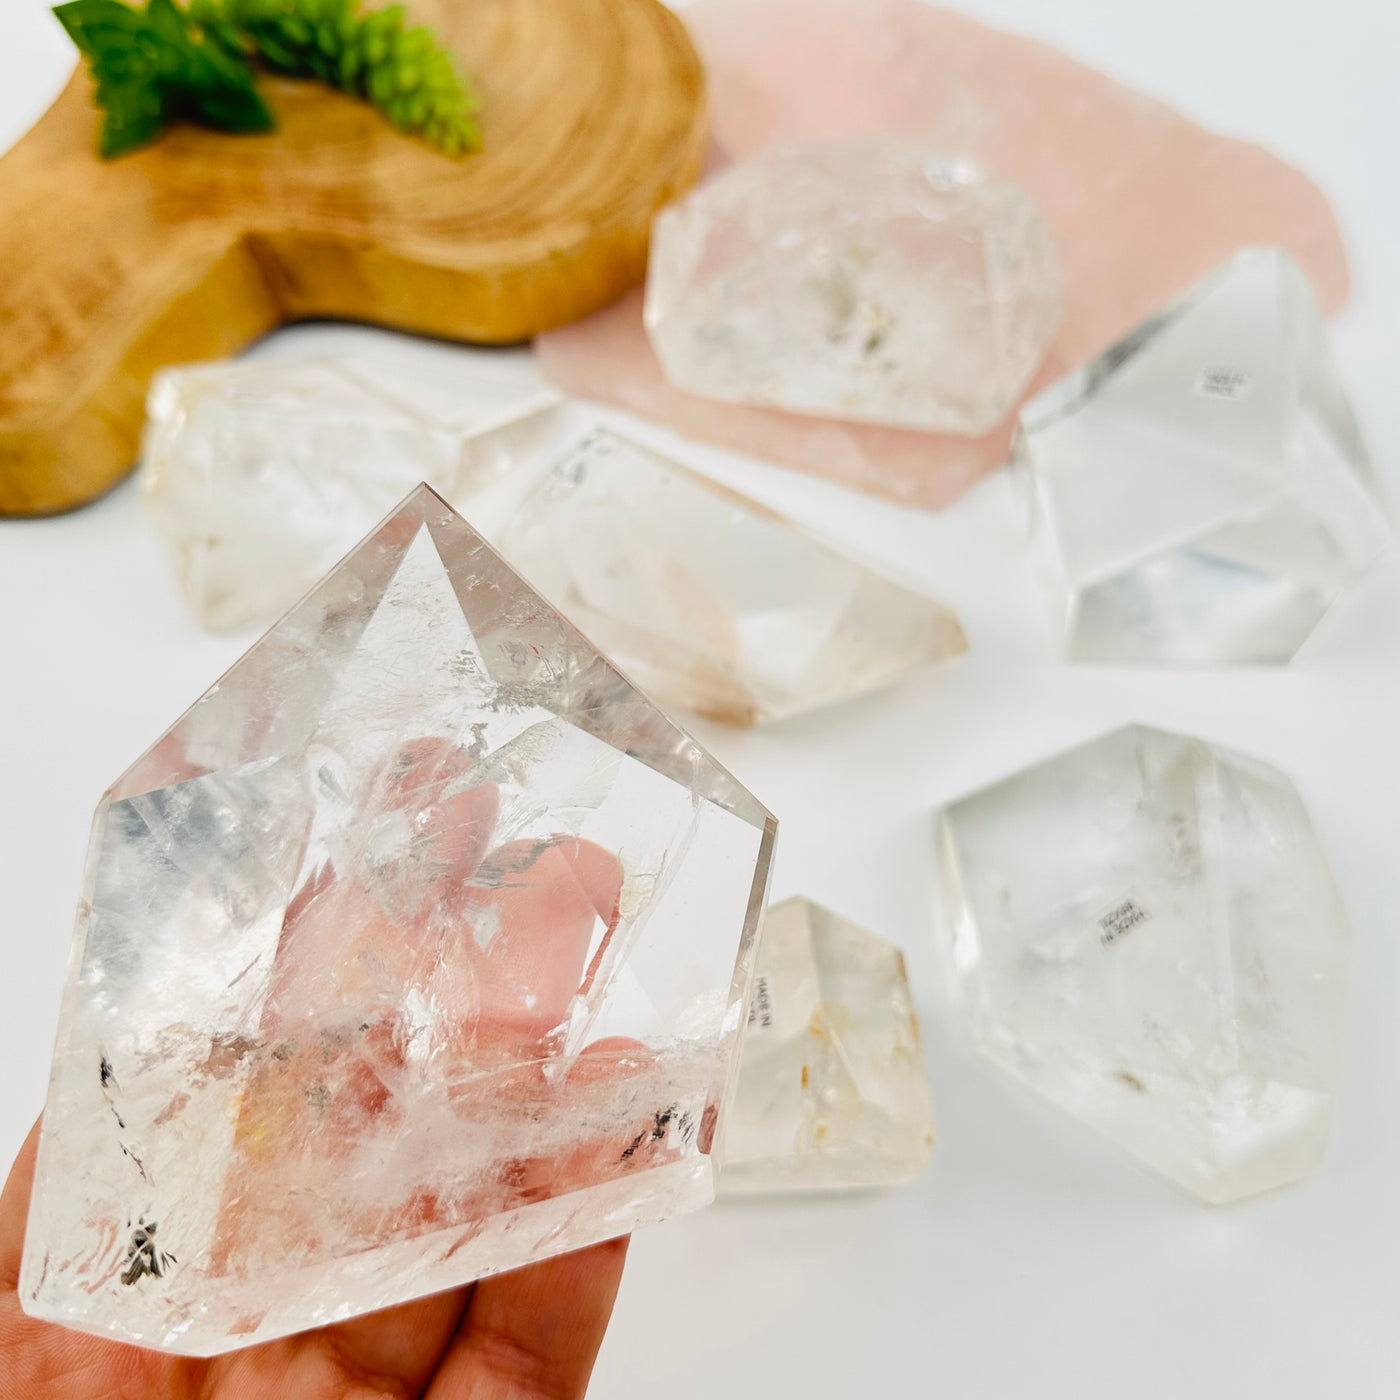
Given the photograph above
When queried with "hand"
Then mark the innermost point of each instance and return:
(528, 1335)
(502, 996)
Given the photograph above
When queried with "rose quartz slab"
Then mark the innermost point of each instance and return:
(1142, 203)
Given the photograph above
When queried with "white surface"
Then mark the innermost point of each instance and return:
(1030, 1260)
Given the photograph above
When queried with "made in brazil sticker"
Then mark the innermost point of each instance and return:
(1227, 382)
(1121, 920)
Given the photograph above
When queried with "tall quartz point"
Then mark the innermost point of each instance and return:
(711, 601)
(261, 473)
(1201, 493)
(863, 279)
(416, 950)
(1146, 931)
(831, 1091)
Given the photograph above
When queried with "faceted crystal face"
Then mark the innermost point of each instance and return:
(416, 950)
(1145, 930)
(261, 474)
(709, 600)
(1201, 492)
(864, 279)
(831, 1091)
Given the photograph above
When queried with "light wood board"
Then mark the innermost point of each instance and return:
(593, 116)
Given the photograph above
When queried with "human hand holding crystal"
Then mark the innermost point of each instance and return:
(489, 942)
(532, 1334)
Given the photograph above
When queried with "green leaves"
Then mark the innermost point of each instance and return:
(155, 65)
(401, 69)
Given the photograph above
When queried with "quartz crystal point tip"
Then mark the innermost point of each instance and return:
(831, 1093)
(261, 473)
(713, 602)
(1200, 493)
(865, 279)
(416, 950)
(1145, 930)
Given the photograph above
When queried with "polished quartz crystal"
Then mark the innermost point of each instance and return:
(1145, 930)
(261, 473)
(831, 1091)
(864, 278)
(417, 949)
(709, 600)
(1201, 493)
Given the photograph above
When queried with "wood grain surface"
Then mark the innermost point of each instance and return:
(593, 116)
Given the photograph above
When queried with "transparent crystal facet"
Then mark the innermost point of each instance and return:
(863, 279)
(1146, 931)
(416, 950)
(831, 1091)
(1201, 493)
(709, 600)
(262, 473)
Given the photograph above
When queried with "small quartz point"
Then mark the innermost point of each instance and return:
(416, 950)
(1146, 931)
(709, 600)
(1200, 493)
(831, 1091)
(864, 279)
(262, 473)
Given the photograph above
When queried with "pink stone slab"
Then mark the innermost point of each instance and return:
(1142, 202)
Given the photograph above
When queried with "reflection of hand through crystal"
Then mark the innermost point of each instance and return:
(409, 1047)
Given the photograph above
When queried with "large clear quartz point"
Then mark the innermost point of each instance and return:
(864, 278)
(1146, 931)
(416, 950)
(711, 601)
(261, 473)
(1200, 493)
(831, 1091)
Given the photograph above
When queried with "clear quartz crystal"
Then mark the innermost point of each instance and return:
(1145, 930)
(261, 473)
(709, 600)
(1200, 493)
(831, 1091)
(865, 279)
(416, 950)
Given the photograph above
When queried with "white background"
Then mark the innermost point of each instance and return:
(1030, 1259)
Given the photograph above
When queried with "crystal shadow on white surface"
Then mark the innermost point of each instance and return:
(1200, 493)
(831, 1093)
(860, 278)
(416, 950)
(261, 473)
(709, 600)
(1146, 931)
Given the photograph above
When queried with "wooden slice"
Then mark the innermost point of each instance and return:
(593, 116)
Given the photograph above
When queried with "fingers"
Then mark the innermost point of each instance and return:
(14, 1210)
(405, 1343)
(532, 911)
(534, 1334)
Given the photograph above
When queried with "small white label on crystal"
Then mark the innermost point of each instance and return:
(1122, 919)
(1223, 382)
(761, 1004)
